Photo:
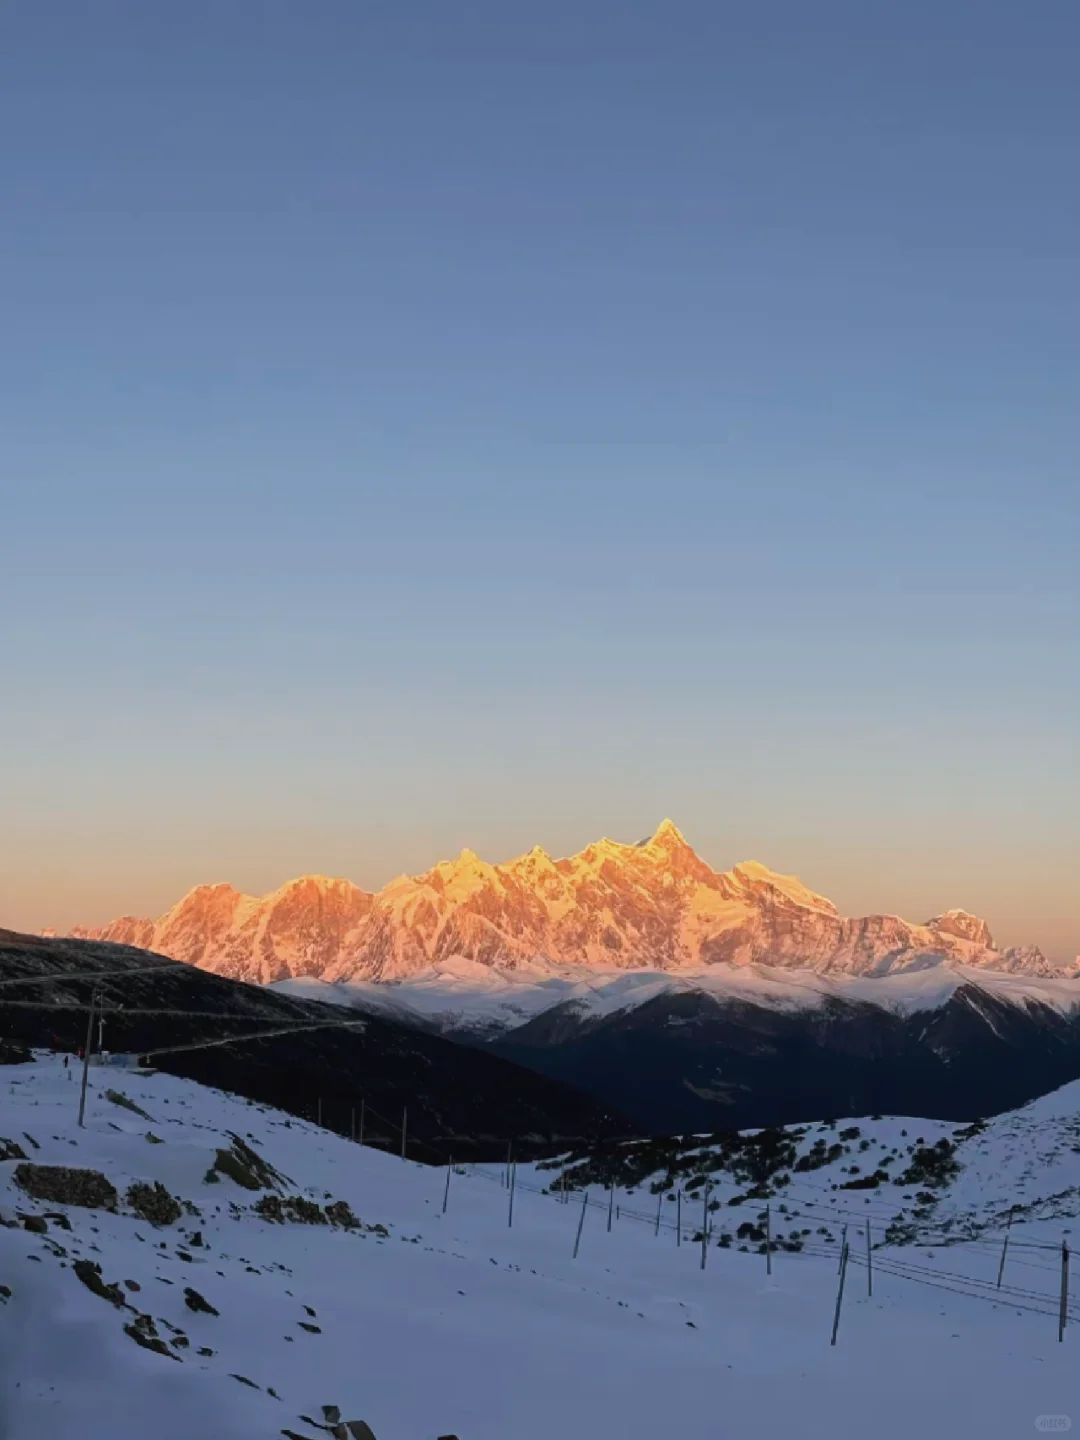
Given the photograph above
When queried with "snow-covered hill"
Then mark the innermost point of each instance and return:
(427, 1324)
(654, 906)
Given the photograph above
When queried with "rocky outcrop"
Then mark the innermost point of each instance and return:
(655, 905)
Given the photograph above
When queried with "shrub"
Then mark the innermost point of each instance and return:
(62, 1185)
(153, 1203)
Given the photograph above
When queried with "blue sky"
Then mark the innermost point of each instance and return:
(429, 425)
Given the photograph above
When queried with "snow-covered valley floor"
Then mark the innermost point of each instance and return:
(459, 1324)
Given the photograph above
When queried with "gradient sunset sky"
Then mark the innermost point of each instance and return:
(429, 424)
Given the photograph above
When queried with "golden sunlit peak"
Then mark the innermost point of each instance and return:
(666, 833)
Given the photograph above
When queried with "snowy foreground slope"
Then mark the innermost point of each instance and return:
(460, 1324)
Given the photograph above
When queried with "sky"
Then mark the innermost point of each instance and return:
(430, 425)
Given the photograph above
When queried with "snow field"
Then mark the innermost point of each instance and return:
(460, 1324)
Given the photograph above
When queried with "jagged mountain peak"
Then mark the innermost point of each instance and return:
(655, 905)
(666, 836)
(964, 925)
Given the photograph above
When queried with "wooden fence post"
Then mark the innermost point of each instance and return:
(1063, 1313)
(1005, 1246)
(839, 1293)
(86, 1056)
(580, 1223)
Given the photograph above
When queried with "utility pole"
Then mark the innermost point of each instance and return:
(446, 1192)
(839, 1293)
(404, 1128)
(506, 1172)
(843, 1247)
(768, 1240)
(869, 1261)
(611, 1204)
(86, 1055)
(678, 1219)
(318, 1112)
(513, 1183)
(581, 1223)
(1005, 1246)
(659, 1198)
(1063, 1313)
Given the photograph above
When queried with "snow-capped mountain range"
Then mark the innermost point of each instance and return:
(654, 906)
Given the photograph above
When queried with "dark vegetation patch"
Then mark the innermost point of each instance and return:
(297, 1210)
(762, 1161)
(62, 1185)
(153, 1203)
(931, 1165)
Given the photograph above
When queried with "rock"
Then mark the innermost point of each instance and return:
(12, 1054)
(144, 1332)
(36, 1224)
(241, 1164)
(90, 1275)
(11, 1150)
(116, 1097)
(63, 1185)
(194, 1301)
(360, 1430)
(58, 1218)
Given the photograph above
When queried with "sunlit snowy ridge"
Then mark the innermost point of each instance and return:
(651, 906)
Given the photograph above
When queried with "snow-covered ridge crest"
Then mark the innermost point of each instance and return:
(652, 906)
